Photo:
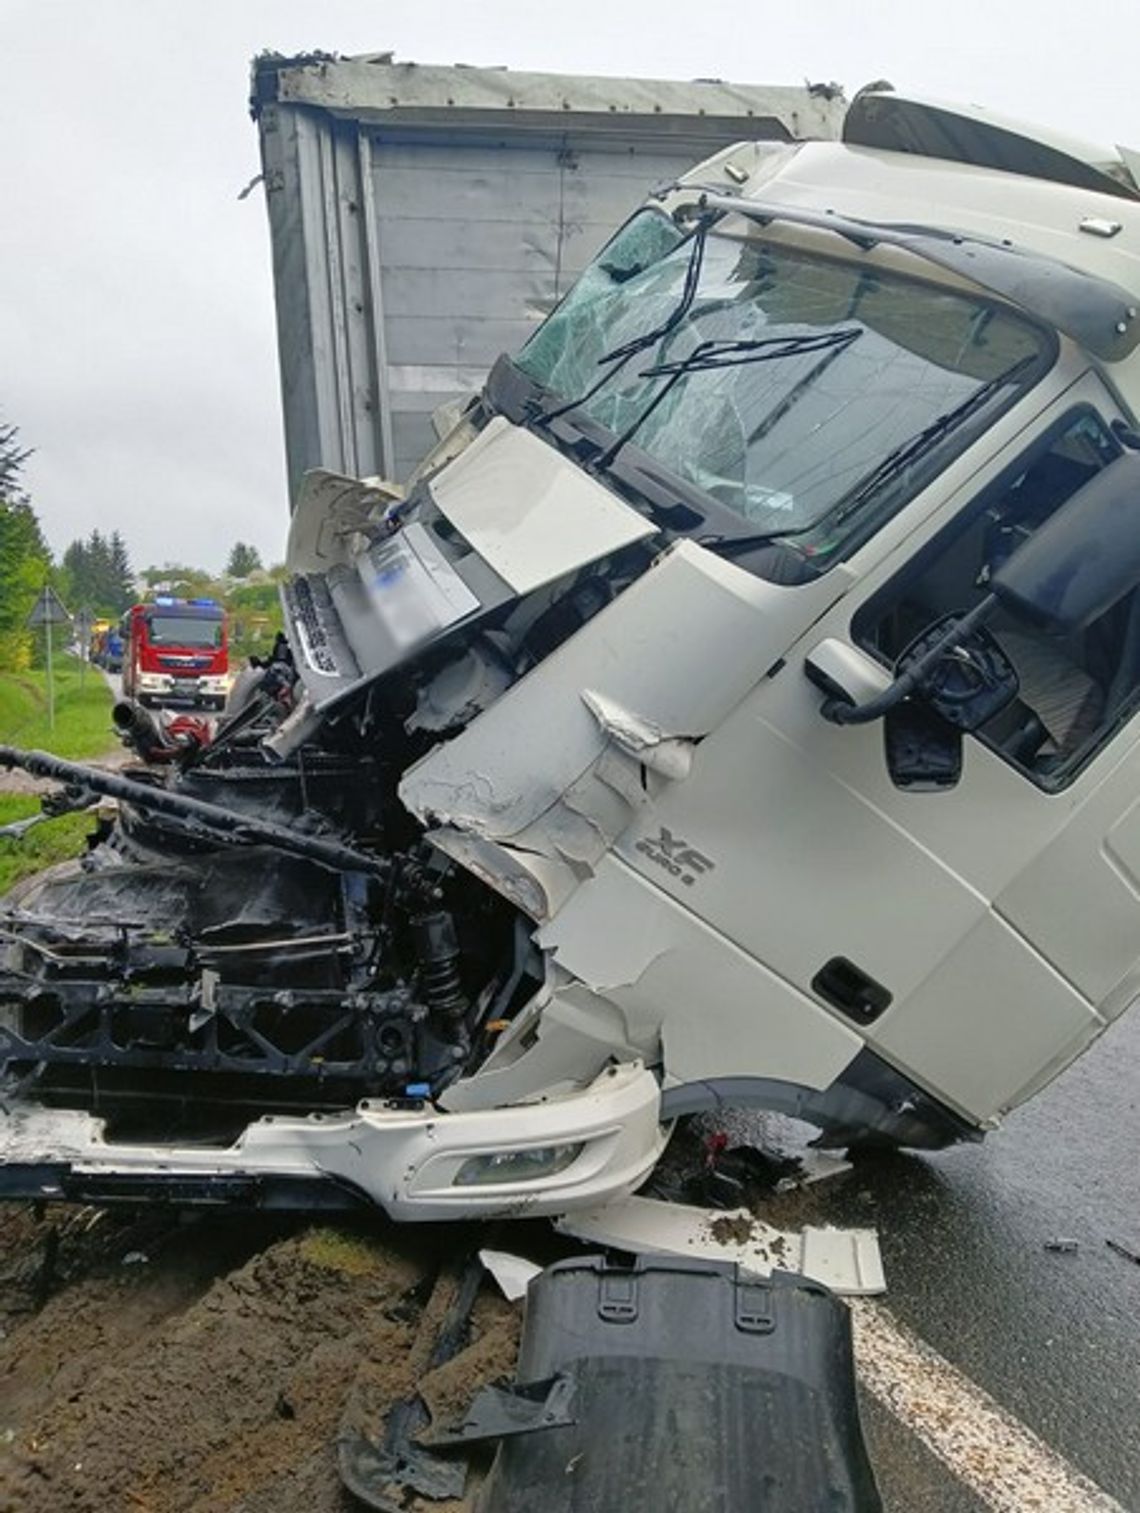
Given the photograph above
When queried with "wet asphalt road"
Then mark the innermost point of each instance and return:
(1055, 1338)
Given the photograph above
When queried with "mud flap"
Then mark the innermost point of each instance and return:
(692, 1389)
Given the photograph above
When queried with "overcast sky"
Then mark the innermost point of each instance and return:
(137, 350)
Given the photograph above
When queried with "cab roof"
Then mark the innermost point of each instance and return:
(1066, 251)
(1095, 232)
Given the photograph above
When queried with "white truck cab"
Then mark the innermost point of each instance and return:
(740, 705)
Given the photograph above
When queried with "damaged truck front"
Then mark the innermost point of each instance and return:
(736, 707)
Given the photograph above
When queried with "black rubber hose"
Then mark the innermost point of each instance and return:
(229, 826)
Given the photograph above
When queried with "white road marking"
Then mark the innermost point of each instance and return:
(1009, 1467)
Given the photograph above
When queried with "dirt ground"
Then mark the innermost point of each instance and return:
(207, 1365)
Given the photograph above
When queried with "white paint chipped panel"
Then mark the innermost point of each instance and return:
(846, 1260)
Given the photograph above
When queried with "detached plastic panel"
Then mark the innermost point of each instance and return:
(692, 1390)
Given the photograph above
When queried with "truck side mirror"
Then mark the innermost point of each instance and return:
(1083, 559)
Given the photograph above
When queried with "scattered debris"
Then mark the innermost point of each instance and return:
(732, 1229)
(385, 1455)
(716, 1168)
(1063, 1246)
(1123, 1250)
(514, 1274)
(815, 1166)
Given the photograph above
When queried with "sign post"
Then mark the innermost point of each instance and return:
(83, 622)
(48, 610)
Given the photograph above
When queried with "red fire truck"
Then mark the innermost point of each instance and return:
(176, 652)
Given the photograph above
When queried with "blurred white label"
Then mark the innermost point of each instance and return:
(414, 588)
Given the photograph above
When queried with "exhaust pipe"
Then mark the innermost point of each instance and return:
(137, 727)
(130, 717)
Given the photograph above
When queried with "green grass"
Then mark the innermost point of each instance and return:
(334, 1250)
(54, 841)
(82, 713)
(82, 729)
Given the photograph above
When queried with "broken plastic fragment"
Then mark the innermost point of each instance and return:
(512, 1273)
(846, 1260)
(815, 1166)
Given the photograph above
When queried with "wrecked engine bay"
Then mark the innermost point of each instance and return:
(282, 938)
(282, 985)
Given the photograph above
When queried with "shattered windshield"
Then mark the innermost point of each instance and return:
(787, 380)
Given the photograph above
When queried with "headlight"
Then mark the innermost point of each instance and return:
(516, 1166)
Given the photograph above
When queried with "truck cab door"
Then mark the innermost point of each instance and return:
(979, 935)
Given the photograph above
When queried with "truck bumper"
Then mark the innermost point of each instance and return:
(163, 688)
(575, 1151)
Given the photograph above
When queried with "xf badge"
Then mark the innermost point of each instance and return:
(676, 856)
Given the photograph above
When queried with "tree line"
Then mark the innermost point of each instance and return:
(96, 574)
(25, 561)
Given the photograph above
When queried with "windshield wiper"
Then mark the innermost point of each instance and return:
(617, 357)
(899, 458)
(733, 354)
(894, 463)
(710, 355)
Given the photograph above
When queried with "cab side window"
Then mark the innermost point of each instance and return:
(1074, 691)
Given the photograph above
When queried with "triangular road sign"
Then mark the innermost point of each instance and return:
(48, 609)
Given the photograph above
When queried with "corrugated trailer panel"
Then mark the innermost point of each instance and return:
(423, 220)
(523, 223)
